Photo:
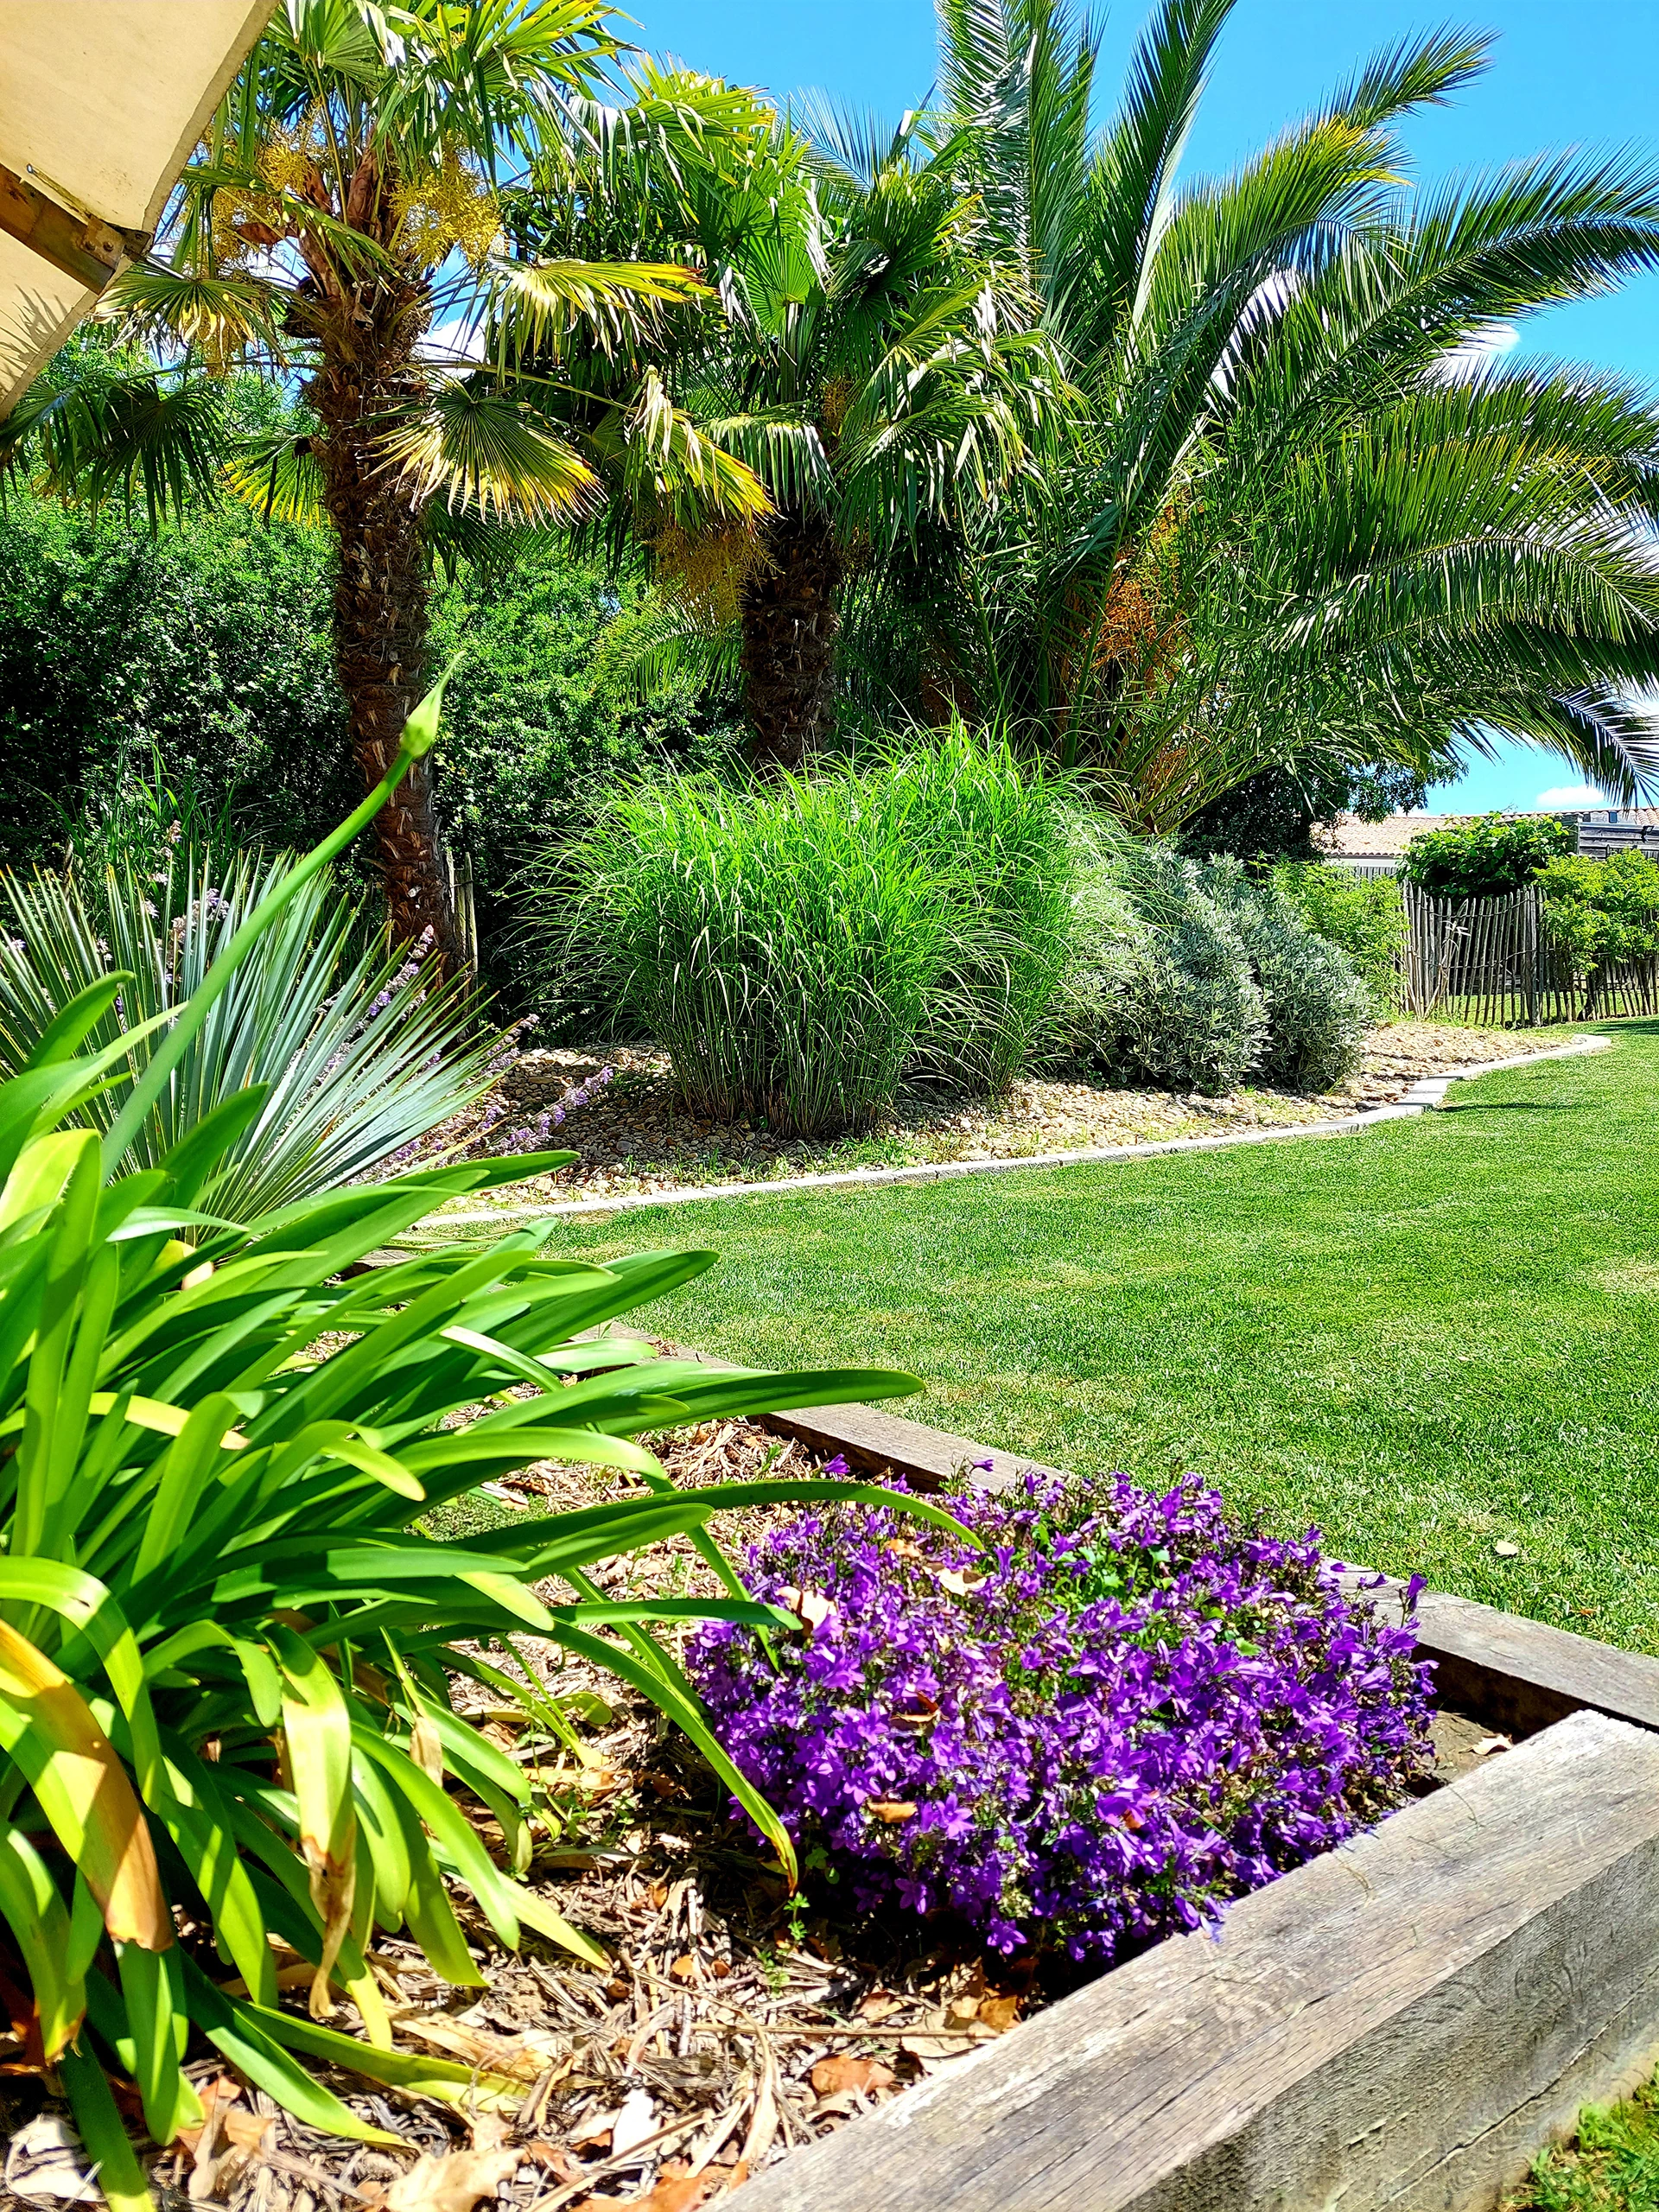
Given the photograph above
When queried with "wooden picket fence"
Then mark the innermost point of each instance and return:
(1488, 961)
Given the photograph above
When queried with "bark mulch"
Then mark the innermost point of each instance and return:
(732, 2023)
(635, 1136)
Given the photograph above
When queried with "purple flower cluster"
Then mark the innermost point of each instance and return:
(1122, 1711)
(531, 1136)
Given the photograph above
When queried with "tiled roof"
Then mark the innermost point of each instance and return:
(1357, 840)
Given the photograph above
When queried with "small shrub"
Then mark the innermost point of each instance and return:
(1484, 858)
(989, 826)
(1196, 976)
(1365, 915)
(1177, 1002)
(1123, 1711)
(1316, 1004)
(1601, 913)
(1102, 940)
(1194, 1017)
(780, 942)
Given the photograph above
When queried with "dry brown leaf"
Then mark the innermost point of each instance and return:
(880, 2005)
(249, 2131)
(473, 2047)
(833, 2077)
(926, 2047)
(811, 1607)
(958, 1583)
(890, 1810)
(453, 2182)
(685, 1968)
(999, 2013)
(556, 2160)
(426, 1748)
(677, 2190)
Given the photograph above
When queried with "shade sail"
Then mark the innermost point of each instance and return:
(100, 103)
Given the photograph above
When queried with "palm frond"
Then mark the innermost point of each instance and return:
(95, 426)
(472, 445)
(279, 475)
(537, 305)
(222, 316)
(672, 466)
(661, 647)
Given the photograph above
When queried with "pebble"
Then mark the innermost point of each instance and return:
(634, 1137)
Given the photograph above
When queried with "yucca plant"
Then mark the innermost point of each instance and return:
(224, 1651)
(361, 1047)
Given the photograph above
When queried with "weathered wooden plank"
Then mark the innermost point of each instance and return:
(875, 1442)
(1514, 1674)
(1521, 1675)
(1400, 2024)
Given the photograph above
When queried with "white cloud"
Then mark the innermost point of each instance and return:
(1488, 345)
(453, 342)
(1564, 798)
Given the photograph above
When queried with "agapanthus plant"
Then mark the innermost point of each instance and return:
(1123, 1711)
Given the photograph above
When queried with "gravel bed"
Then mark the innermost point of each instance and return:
(634, 1136)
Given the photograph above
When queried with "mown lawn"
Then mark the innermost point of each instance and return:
(1613, 2166)
(1430, 1338)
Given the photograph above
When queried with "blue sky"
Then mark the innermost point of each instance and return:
(1580, 75)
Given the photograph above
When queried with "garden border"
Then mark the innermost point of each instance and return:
(1427, 1092)
(1399, 2025)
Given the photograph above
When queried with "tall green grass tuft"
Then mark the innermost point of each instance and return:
(990, 825)
(779, 942)
(798, 948)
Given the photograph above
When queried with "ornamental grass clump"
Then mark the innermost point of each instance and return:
(1122, 1711)
(780, 943)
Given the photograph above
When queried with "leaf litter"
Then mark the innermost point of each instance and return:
(732, 2025)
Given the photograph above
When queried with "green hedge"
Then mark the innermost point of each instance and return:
(200, 659)
(1484, 858)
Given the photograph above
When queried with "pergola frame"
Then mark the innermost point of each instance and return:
(100, 104)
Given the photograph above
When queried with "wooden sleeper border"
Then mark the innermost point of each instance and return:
(1402, 2024)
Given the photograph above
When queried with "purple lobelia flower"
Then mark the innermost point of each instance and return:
(1120, 1712)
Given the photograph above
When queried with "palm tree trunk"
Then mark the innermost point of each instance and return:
(380, 607)
(789, 629)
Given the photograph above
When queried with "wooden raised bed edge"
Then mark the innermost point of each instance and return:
(1516, 1675)
(1403, 2023)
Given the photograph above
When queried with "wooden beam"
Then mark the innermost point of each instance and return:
(82, 246)
(1399, 2026)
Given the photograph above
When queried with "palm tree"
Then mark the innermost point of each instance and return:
(342, 220)
(1301, 508)
(864, 362)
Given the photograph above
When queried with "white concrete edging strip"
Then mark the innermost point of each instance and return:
(1427, 1091)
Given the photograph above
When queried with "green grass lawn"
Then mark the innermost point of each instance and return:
(1432, 1337)
(1612, 2167)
